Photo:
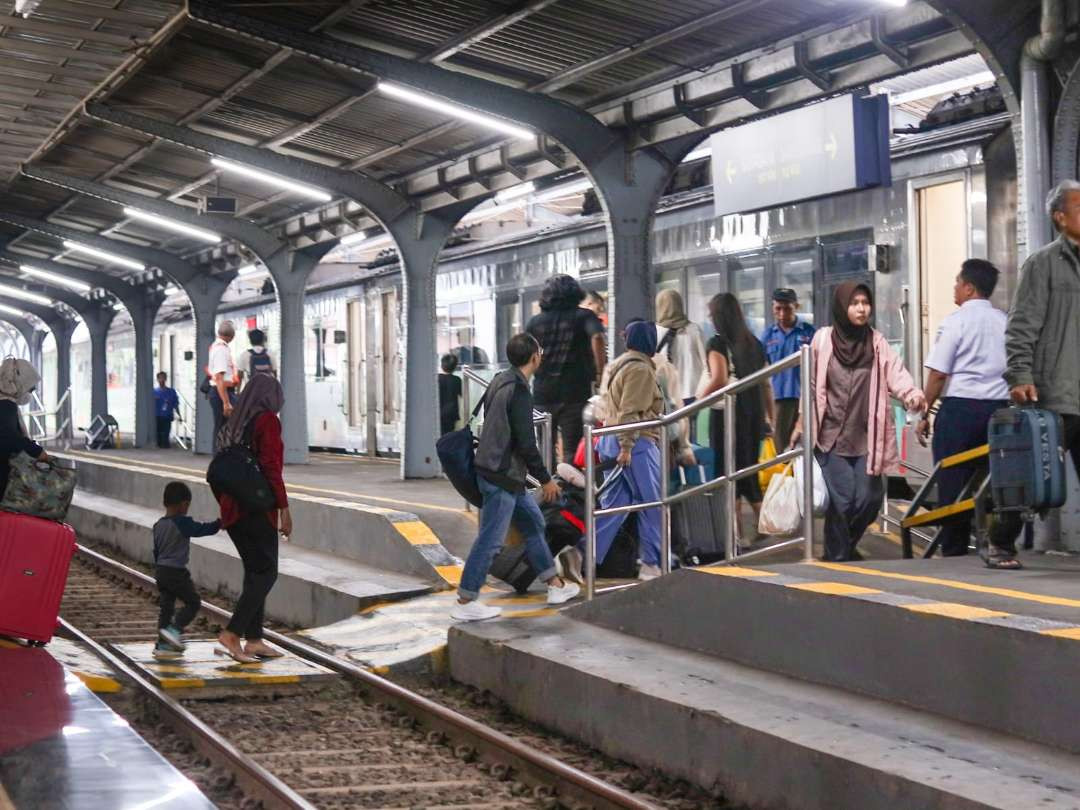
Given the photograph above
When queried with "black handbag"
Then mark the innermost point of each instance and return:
(457, 455)
(235, 471)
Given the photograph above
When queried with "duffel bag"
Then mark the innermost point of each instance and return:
(39, 488)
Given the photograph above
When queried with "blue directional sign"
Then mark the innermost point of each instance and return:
(827, 148)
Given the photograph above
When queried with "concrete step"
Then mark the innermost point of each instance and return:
(762, 739)
(994, 656)
(313, 588)
(387, 539)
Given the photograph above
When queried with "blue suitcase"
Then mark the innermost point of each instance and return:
(691, 476)
(1027, 461)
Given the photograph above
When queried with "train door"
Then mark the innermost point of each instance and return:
(372, 364)
(942, 234)
(357, 353)
(390, 367)
(747, 282)
(845, 257)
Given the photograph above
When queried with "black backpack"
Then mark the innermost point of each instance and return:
(457, 455)
(259, 363)
(235, 471)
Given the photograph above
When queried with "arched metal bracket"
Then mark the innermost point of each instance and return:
(759, 98)
(806, 70)
(881, 42)
(687, 110)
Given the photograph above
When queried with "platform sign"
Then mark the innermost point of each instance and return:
(838, 145)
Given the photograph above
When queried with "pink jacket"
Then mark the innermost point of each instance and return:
(881, 431)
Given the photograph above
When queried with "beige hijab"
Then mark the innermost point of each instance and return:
(670, 311)
(18, 379)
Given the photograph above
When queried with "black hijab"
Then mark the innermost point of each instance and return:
(853, 345)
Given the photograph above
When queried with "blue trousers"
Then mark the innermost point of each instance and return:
(640, 483)
(502, 507)
(961, 425)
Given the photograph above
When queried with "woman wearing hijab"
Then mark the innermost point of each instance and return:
(631, 394)
(254, 422)
(17, 382)
(734, 350)
(855, 373)
(683, 344)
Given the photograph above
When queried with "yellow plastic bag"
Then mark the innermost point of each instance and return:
(768, 453)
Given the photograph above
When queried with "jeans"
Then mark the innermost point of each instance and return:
(256, 540)
(566, 420)
(218, 409)
(960, 425)
(854, 502)
(164, 428)
(640, 483)
(500, 508)
(175, 583)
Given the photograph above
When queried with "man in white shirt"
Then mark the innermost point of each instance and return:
(967, 363)
(222, 373)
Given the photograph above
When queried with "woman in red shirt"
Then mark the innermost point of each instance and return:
(254, 422)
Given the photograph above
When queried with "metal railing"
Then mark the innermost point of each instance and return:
(38, 419)
(541, 418)
(803, 359)
(184, 428)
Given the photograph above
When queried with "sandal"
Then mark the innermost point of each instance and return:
(1001, 560)
(265, 655)
(240, 657)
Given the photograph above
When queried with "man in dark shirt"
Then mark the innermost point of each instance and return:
(166, 403)
(572, 340)
(449, 394)
(506, 452)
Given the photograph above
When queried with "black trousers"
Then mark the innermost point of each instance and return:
(747, 450)
(565, 421)
(786, 412)
(854, 502)
(1008, 525)
(218, 409)
(960, 425)
(175, 583)
(257, 541)
(164, 428)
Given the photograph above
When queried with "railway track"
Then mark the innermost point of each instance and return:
(363, 742)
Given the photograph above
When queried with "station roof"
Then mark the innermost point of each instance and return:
(658, 70)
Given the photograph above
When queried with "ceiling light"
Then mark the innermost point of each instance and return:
(361, 239)
(272, 179)
(117, 306)
(246, 270)
(512, 193)
(12, 310)
(453, 110)
(105, 256)
(895, 3)
(172, 225)
(56, 278)
(557, 192)
(15, 292)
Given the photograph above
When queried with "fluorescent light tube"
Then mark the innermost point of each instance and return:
(454, 111)
(555, 192)
(104, 255)
(512, 193)
(15, 292)
(12, 310)
(172, 225)
(272, 179)
(56, 278)
(246, 270)
(361, 239)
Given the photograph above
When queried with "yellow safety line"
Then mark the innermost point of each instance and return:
(965, 457)
(734, 571)
(135, 463)
(1072, 633)
(450, 573)
(954, 610)
(833, 588)
(938, 514)
(98, 684)
(951, 583)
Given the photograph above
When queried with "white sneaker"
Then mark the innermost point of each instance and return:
(647, 572)
(474, 611)
(557, 596)
(568, 564)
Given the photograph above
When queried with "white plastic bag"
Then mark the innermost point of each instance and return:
(780, 511)
(821, 492)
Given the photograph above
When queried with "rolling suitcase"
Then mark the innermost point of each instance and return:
(698, 525)
(1027, 461)
(34, 558)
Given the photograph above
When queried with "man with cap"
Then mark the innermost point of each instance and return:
(784, 338)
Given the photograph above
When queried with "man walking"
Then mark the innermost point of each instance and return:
(222, 373)
(507, 451)
(967, 363)
(1042, 339)
(166, 403)
(572, 342)
(784, 338)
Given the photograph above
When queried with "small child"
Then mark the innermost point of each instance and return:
(172, 549)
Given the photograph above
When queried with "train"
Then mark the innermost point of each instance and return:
(952, 196)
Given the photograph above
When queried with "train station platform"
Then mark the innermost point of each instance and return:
(905, 683)
(61, 747)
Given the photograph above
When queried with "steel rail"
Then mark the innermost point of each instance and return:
(252, 777)
(525, 760)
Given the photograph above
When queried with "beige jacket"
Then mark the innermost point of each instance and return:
(632, 394)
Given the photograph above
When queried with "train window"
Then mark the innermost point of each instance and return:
(796, 271)
(702, 284)
(592, 257)
(748, 284)
(846, 258)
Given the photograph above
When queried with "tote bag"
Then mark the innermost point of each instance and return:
(38, 488)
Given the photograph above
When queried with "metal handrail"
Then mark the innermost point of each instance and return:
(542, 418)
(39, 430)
(184, 437)
(805, 360)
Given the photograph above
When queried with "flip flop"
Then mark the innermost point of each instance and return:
(1002, 562)
(239, 658)
(266, 656)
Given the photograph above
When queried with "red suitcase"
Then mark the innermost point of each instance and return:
(34, 559)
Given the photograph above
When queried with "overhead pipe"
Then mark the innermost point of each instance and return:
(1035, 120)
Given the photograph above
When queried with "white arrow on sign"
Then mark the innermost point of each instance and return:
(831, 146)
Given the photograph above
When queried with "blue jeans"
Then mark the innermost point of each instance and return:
(500, 508)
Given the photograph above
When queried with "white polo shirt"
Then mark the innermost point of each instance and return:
(970, 348)
(221, 361)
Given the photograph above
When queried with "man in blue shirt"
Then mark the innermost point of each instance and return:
(783, 338)
(166, 403)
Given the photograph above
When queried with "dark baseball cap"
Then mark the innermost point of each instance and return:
(785, 295)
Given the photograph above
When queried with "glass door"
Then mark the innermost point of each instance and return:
(747, 276)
